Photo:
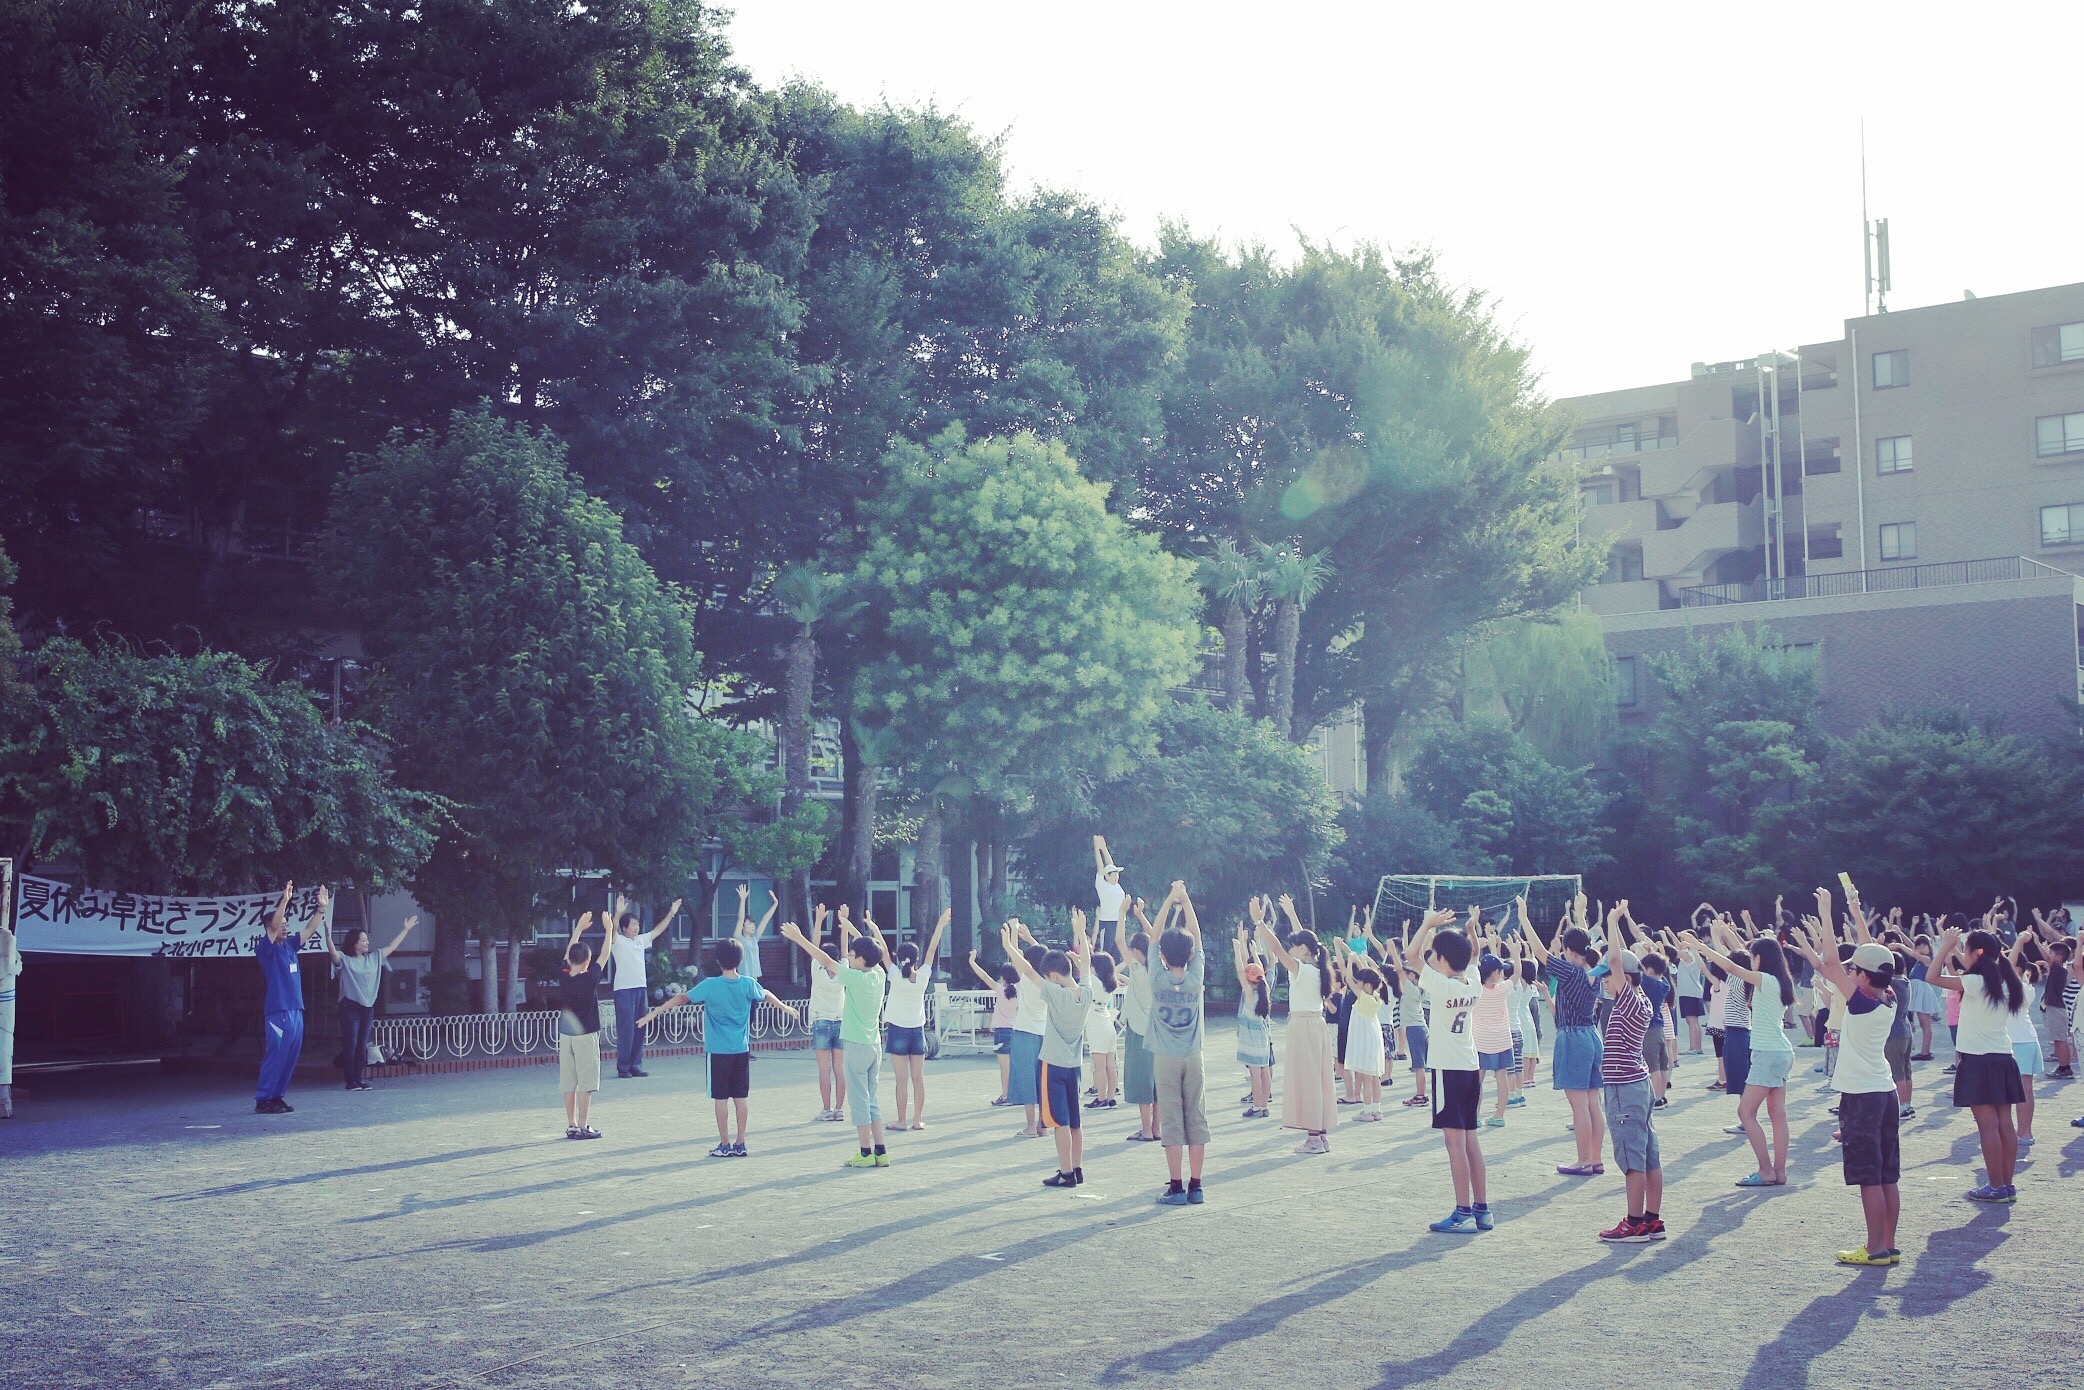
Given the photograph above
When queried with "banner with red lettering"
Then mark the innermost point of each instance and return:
(51, 915)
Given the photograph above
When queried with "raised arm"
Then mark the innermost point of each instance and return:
(1541, 952)
(933, 943)
(1939, 974)
(811, 948)
(280, 915)
(1287, 905)
(1009, 937)
(990, 982)
(1189, 920)
(1100, 853)
(321, 922)
(1614, 942)
(1744, 973)
(399, 939)
(666, 921)
(1275, 949)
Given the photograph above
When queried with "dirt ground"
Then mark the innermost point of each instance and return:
(440, 1231)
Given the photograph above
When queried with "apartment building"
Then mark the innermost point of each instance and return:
(1904, 505)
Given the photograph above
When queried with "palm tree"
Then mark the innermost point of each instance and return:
(1292, 579)
(1233, 578)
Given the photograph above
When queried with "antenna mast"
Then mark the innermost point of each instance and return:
(1874, 241)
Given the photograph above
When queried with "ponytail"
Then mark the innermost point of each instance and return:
(2000, 982)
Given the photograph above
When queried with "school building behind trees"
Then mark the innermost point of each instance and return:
(1903, 505)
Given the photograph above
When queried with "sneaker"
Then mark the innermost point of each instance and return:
(1985, 1193)
(1653, 1229)
(1484, 1220)
(1660, 1103)
(1917, 1057)
(881, 1160)
(860, 1160)
(1460, 1221)
(1516, 1100)
(1494, 1122)
(639, 1071)
(2025, 1141)
(571, 1131)
(587, 1132)
(1908, 1112)
(1948, 1070)
(1002, 1101)
(2061, 1074)
(2008, 1194)
(1733, 1129)
(364, 1086)
(1195, 1196)
(1060, 1180)
(1858, 1256)
(1628, 1230)
(738, 1151)
(1320, 1144)
(722, 1150)
(1169, 1198)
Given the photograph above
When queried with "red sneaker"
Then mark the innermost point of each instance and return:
(1650, 1230)
(1623, 1231)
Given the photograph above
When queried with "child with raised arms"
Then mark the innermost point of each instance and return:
(1625, 1085)
(1255, 1013)
(1451, 991)
(1175, 1041)
(1309, 1101)
(1066, 1004)
(863, 980)
(728, 1000)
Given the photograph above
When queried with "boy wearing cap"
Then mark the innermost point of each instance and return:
(1867, 1100)
(1626, 1086)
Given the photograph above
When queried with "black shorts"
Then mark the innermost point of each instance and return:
(1691, 1007)
(1457, 1096)
(1867, 1124)
(730, 1075)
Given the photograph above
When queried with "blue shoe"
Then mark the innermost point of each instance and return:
(2008, 1194)
(1460, 1221)
(1194, 1197)
(1985, 1193)
(1169, 1198)
(1484, 1220)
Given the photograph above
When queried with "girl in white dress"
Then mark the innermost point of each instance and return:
(1100, 1033)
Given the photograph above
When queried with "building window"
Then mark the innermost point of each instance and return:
(2057, 344)
(1599, 494)
(1892, 369)
(2063, 525)
(1892, 455)
(1826, 543)
(1624, 564)
(1623, 668)
(1899, 540)
(2056, 435)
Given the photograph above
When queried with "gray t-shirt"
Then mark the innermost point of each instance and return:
(1063, 1028)
(1176, 1009)
(359, 977)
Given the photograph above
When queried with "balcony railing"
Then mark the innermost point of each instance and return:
(1601, 448)
(1935, 576)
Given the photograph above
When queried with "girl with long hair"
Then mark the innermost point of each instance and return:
(1139, 1074)
(1309, 1102)
(1768, 987)
(1986, 1080)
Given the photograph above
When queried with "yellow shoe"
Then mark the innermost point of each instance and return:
(1860, 1256)
(882, 1160)
(860, 1161)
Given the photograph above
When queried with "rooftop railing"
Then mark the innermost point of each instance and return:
(1943, 575)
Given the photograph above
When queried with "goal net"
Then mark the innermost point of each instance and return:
(1411, 896)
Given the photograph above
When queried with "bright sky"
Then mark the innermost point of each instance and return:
(1639, 186)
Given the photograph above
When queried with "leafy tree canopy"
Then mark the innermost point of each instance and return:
(1505, 800)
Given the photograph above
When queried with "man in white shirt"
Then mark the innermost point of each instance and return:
(1107, 886)
(626, 951)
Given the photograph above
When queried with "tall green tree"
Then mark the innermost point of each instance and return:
(1505, 800)
(196, 776)
(1225, 803)
(1934, 812)
(529, 667)
(1234, 580)
(1026, 635)
(1360, 407)
(1550, 678)
(1391, 834)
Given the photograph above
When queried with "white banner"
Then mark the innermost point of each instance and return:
(51, 915)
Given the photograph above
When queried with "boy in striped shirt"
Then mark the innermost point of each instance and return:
(1626, 1082)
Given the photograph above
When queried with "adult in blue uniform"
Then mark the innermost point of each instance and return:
(282, 1030)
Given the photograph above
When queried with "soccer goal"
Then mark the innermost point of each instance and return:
(1411, 896)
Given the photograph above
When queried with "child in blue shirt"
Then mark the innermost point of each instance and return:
(727, 1002)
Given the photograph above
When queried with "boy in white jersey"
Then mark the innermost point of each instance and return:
(1450, 990)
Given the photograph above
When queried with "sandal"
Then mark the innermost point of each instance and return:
(1416, 1100)
(1756, 1181)
(1578, 1170)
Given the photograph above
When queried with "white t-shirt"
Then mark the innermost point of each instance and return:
(1691, 980)
(907, 1006)
(1305, 991)
(1986, 1028)
(1136, 999)
(1863, 1063)
(749, 961)
(628, 952)
(1766, 1004)
(2020, 1029)
(1112, 896)
(1030, 1007)
(1522, 1010)
(827, 999)
(1451, 1043)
